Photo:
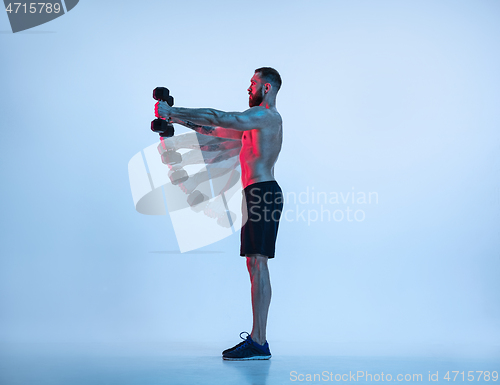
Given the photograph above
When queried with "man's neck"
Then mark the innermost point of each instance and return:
(268, 103)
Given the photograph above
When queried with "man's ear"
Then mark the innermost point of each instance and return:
(268, 87)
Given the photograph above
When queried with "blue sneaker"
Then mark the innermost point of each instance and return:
(247, 350)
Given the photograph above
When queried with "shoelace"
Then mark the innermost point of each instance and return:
(245, 337)
(245, 341)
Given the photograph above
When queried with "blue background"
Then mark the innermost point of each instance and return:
(397, 98)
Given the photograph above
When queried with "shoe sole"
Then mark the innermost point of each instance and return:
(247, 358)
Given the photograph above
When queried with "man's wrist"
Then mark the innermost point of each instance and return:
(171, 112)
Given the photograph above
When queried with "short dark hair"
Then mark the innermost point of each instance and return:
(270, 75)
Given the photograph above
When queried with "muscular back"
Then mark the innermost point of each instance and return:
(260, 149)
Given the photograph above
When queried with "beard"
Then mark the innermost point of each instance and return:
(257, 98)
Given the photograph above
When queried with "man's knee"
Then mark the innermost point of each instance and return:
(256, 262)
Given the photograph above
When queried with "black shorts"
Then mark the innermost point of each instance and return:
(261, 208)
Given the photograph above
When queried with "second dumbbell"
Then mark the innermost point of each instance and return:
(161, 126)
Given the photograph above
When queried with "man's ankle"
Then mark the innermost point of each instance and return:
(258, 341)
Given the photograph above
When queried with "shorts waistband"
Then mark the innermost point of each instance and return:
(262, 184)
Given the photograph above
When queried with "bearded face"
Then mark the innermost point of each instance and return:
(257, 97)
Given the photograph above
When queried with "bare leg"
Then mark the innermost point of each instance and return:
(261, 295)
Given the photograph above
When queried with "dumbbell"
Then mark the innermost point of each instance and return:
(171, 157)
(161, 126)
(196, 197)
(177, 175)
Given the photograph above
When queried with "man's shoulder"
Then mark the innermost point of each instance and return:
(267, 113)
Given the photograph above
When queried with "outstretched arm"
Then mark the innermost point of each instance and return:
(253, 118)
(209, 130)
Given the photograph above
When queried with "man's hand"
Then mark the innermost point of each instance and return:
(162, 110)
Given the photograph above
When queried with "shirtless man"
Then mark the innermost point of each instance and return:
(260, 130)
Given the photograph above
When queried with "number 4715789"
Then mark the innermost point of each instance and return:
(487, 376)
(33, 7)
